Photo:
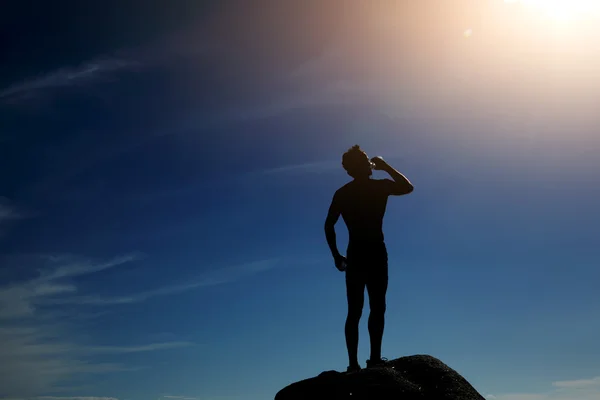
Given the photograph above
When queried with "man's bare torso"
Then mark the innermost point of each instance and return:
(362, 205)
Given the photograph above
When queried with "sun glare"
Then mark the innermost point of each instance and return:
(565, 10)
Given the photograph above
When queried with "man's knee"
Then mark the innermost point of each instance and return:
(354, 313)
(378, 307)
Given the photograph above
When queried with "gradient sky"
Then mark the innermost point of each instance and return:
(165, 172)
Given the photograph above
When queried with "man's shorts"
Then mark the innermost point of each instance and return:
(367, 267)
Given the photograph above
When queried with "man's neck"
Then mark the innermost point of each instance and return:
(362, 179)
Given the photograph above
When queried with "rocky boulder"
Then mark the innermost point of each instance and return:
(419, 377)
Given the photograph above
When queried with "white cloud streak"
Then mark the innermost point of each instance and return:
(579, 389)
(20, 299)
(60, 398)
(38, 351)
(36, 358)
(65, 77)
(212, 278)
(313, 167)
(101, 68)
(73, 398)
(579, 383)
(78, 268)
(7, 212)
(132, 349)
(517, 396)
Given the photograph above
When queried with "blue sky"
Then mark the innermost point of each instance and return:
(165, 173)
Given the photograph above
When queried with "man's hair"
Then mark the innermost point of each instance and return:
(353, 156)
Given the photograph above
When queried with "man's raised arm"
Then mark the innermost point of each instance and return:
(401, 185)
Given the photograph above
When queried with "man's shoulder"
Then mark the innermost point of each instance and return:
(341, 193)
(352, 185)
(344, 188)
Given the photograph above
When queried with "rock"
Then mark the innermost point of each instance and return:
(419, 377)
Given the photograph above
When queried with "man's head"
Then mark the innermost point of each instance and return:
(356, 163)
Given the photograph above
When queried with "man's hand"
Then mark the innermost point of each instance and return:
(341, 262)
(401, 184)
(379, 163)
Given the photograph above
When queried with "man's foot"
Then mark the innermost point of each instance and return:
(353, 368)
(382, 362)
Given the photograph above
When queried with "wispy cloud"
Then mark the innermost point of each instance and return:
(7, 210)
(101, 68)
(212, 278)
(36, 358)
(66, 77)
(78, 267)
(336, 93)
(8, 214)
(74, 398)
(579, 389)
(198, 398)
(312, 167)
(132, 349)
(11, 214)
(517, 396)
(579, 383)
(37, 349)
(21, 299)
(60, 398)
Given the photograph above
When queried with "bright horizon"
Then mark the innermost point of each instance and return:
(165, 174)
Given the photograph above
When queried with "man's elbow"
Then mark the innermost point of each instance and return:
(404, 189)
(329, 225)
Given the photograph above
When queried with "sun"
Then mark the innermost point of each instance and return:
(564, 10)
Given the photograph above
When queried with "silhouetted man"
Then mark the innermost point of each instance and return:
(361, 203)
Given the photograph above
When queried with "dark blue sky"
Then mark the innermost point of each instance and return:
(165, 172)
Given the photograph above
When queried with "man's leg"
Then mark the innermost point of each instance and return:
(355, 292)
(377, 289)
